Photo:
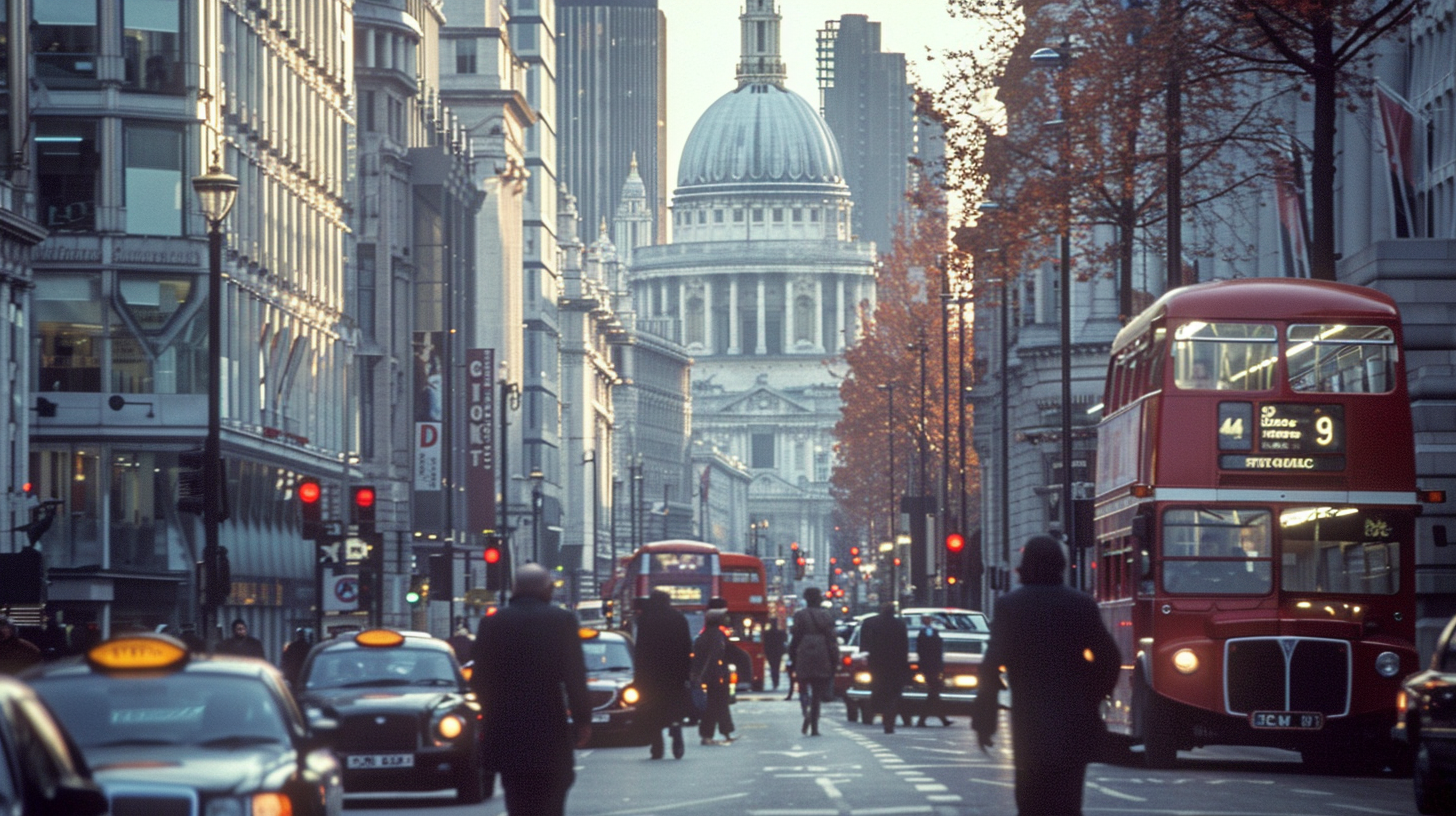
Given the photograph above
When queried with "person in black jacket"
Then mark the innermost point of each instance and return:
(930, 654)
(530, 675)
(241, 643)
(813, 651)
(887, 648)
(774, 641)
(664, 654)
(1060, 663)
(710, 675)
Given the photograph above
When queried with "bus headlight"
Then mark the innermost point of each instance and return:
(1387, 664)
(919, 679)
(964, 681)
(1185, 661)
(630, 695)
(862, 678)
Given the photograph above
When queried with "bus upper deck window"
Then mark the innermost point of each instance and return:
(1337, 358)
(1224, 356)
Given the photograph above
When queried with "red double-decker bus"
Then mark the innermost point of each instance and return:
(1255, 520)
(745, 590)
(688, 571)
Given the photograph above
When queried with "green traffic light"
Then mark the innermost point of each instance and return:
(412, 596)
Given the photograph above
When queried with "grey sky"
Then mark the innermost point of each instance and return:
(702, 49)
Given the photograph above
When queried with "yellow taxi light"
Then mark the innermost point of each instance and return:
(630, 695)
(379, 638)
(272, 804)
(138, 652)
(588, 633)
(451, 727)
(466, 672)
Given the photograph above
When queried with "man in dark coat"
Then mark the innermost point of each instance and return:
(710, 674)
(930, 654)
(241, 643)
(294, 651)
(774, 641)
(529, 671)
(664, 654)
(1060, 663)
(813, 651)
(887, 649)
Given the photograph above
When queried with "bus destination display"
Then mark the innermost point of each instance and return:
(1290, 436)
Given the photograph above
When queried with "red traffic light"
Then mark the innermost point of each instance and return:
(492, 555)
(854, 551)
(309, 492)
(363, 497)
(955, 542)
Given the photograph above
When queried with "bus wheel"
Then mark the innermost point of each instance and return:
(1433, 790)
(1153, 724)
(851, 711)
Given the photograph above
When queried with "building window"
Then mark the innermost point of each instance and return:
(798, 215)
(778, 215)
(717, 216)
(763, 450)
(465, 56)
(66, 175)
(153, 178)
(738, 216)
(366, 111)
(368, 275)
(158, 337)
(695, 328)
(803, 319)
(68, 324)
(65, 42)
(150, 38)
(758, 215)
(813, 216)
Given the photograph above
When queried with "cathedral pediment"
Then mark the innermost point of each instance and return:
(763, 401)
(772, 486)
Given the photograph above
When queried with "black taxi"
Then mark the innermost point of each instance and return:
(1427, 725)
(614, 699)
(396, 709)
(171, 733)
(42, 772)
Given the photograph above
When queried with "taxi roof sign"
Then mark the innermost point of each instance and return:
(140, 652)
(588, 633)
(379, 638)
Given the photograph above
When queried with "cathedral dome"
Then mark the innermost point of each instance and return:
(761, 133)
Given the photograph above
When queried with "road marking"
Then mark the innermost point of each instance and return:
(684, 805)
(1363, 809)
(996, 782)
(934, 787)
(938, 750)
(1245, 781)
(829, 789)
(947, 797)
(1116, 794)
(1311, 792)
(796, 754)
(891, 811)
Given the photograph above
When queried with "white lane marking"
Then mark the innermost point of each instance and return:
(1362, 809)
(1311, 792)
(943, 797)
(796, 754)
(934, 787)
(800, 812)
(1245, 781)
(829, 789)
(939, 750)
(684, 805)
(996, 782)
(891, 811)
(1116, 794)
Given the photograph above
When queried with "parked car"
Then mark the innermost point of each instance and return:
(167, 731)
(61, 784)
(963, 632)
(396, 709)
(1428, 726)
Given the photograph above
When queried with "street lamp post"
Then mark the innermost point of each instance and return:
(536, 501)
(889, 389)
(1053, 58)
(590, 458)
(919, 535)
(1003, 342)
(510, 397)
(216, 191)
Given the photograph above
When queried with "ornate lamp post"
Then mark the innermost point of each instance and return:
(216, 192)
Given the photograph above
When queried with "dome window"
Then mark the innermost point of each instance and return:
(738, 216)
(717, 216)
(778, 215)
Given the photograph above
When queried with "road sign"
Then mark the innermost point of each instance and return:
(341, 592)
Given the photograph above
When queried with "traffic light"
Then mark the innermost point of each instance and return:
(310, 502)
(419, 590)
(799, 566)
(217, 575)
(955, 564)
(495, 566)
(442, 576)
(364, 510)
(854, 556)
(191, 481)
(368, 580)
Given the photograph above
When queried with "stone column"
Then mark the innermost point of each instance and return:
(734, 343)
(839, 340)
(708, 315)
(791, 337)
(816, 329)
(761, 344)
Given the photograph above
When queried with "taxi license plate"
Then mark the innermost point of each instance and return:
(368, 761)
(1288, 720)
(601, 718)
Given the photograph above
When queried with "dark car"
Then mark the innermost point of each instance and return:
(614, 699)
(396, 709)
(169, 732)
(964, 634)
(1428, 726)
(42, 772)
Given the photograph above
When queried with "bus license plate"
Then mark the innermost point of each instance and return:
(369, 761)
(1288, 720)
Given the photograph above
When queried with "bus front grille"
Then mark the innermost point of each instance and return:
(1287, 674)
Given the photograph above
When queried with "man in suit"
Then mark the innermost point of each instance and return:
(529, 674)
(1060, 663)
(887, 647)
(774, 642)
(664, 654)
(930, 653)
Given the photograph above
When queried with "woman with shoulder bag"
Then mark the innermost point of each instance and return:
(813, 651)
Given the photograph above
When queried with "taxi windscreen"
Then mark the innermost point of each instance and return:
(607, 655)
(357, 668)
(178, 709)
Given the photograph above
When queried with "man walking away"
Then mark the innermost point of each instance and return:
(930, 653)
(291, 663)
(241, 644)
(1060, 663)
(887, 646)
(774, 642)
(663, 662)
(813, 650)
(529, 673)
(710, 675)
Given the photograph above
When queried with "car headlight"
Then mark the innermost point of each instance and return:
(1387, 664)
(1185, 661)
(450, 726)
(919, 679)
(272, 804)
(630, 695)
(259, 804)
(862, 678)
(964, 681)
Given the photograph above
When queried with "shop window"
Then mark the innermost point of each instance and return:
(66, 162)
(138, 489)
(68, 320)
(149, 45)
(73, 475)
(65, 40)
(153, 180)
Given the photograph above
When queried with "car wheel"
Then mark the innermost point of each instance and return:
(1153, 723)
(851, 711)
(1433, 791)
(472, 786)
